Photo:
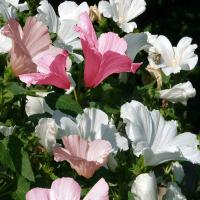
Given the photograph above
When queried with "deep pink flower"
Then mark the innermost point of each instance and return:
(85, 157)
(103, 56)
(33, 58)
(68, 189)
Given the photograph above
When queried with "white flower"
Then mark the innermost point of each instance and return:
(7, 131)
(5, 43)
(122, 12)
(8, 8)
(63, 26)
(145, 187)
(46, 131)
(92, 124)
(47, 15)
(155, 138)
(178, 171)
(179, 93)
(174, 192)
(37, 105)
(171, 59)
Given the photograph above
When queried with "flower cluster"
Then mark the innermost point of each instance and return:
(76, 127)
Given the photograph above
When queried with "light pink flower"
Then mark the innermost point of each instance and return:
(55, 74)
(68, 189)
(27, 43)
(103, 56)
(85, 157)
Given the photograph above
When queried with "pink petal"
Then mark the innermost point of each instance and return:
(56, 75)
(36, 36)
(86, 30)
(38, 194)
(113, 63)
(111, 42)
(85, 157)
(99, 191)
(66, 189)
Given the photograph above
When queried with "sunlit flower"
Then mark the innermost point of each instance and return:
(84, 156)
(91, 125)
(155, 138)
(145, 187)
(172, 59)
(8, 8)
(122, 12)
(178, 171)
(68, 188)
(37, 105)
(103, 56)
(179, 93)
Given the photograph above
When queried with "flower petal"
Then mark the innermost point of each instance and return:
(38, 194)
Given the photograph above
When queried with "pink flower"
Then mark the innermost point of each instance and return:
(68, 189)
(103, 56)
(27, 43)
(85, 157)
(55, 74)
(33, 58)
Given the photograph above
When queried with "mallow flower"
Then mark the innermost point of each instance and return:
(178, 93)
(171, 59)
(8, 8)
(122, 12)
(63, 25)
(91, 125)
(103, 56)
(84, 156)
(155, 138)
(69, 189)
(145, 187)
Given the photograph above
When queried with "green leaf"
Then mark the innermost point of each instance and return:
(64, 103)
(16, 89)
(23, 187)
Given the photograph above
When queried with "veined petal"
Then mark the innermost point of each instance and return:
(128, 27)
(66, 189)
(105, 8)
(99, 191)
(38, 194)
(111, 42)
(5, 43)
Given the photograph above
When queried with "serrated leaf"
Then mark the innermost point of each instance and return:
(136, 42)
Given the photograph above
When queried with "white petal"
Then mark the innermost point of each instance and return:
(136, 42)
(46, 130)
(179, 93)
(7, 131)
(70, 10)
(145, 187)
(5, 43)
(5, 10)
(128, 27)
(47, 15)
(105, 8)
(66, 124)
(174, 192)
(178, 171)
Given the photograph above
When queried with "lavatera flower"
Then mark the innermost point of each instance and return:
(69, 189)
(171, 59)
(122, 12)
(93, 125)
(157, 139)
(103, 56)
(33, 58)
(178, 93)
